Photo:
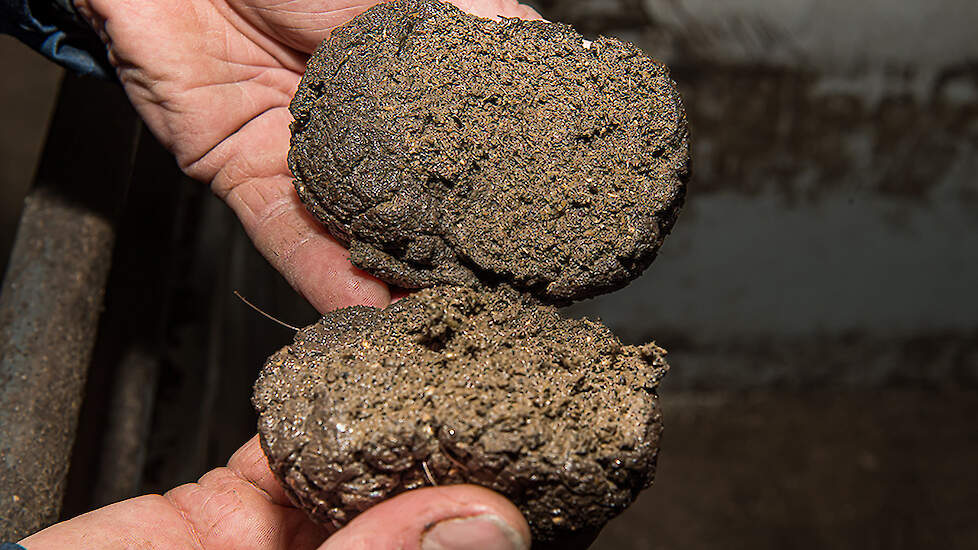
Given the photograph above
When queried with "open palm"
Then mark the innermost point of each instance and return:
(242, 507)
(213, 80)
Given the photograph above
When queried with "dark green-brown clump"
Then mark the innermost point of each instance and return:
(446, 149)
(455, 385)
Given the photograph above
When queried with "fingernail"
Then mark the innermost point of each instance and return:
(485, 532)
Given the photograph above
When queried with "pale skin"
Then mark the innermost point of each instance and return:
(213, 79)
(243, 507)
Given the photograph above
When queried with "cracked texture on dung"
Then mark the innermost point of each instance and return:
(476, 387)
(446, 149)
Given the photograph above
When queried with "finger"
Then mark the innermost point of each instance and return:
(250, 172)
(148, 521)
(224, 511)
(301, 24)
(305, 23)
(403, 521)
(494, 9)
(297, 246)
(250, 464)
(438, 518)
(237, 507)
(191, 74)
(405, 518)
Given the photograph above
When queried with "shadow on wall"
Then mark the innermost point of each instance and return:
(831, 231)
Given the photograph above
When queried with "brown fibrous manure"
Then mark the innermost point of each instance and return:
(455, 385)
(504, 167)
(442, 148)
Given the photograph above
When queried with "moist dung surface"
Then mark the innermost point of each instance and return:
(455, 385)
(446, 149)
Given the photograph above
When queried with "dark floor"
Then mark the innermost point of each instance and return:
(887, 469)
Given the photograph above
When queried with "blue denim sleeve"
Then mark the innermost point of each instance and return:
(54, 29)
(10, 546)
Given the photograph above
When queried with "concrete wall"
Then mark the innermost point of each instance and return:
(831, 230)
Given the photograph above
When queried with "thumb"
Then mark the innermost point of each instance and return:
(494, 9)
(303, 24)
(455, 517)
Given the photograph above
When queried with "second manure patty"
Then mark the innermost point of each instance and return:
(447, 149)
(454, 385)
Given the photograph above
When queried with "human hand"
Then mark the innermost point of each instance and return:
(243, 507)
(213, 80)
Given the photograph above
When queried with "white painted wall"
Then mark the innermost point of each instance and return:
(845, 283)
(835, 35)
